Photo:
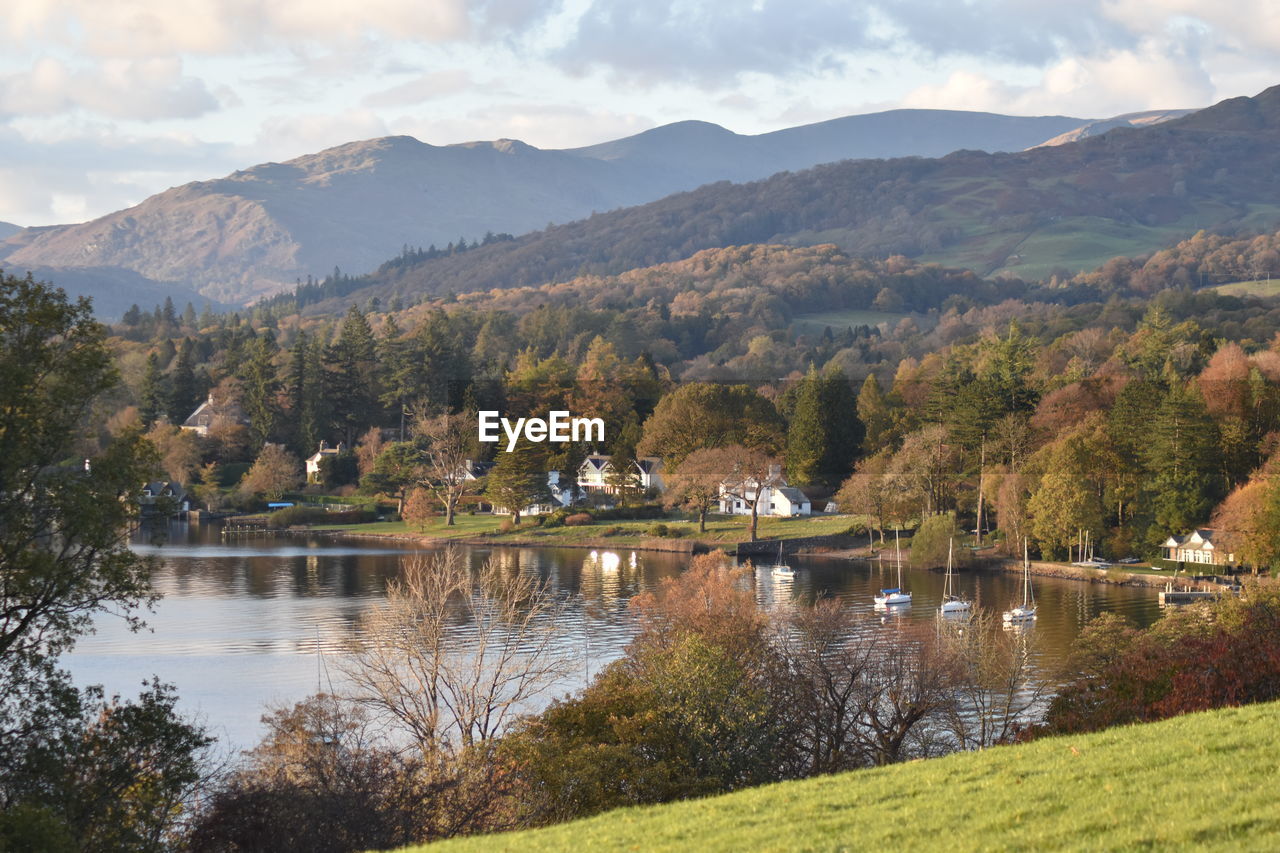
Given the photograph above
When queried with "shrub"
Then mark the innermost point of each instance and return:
(506, 526)
(644, 512)
(578, 519)
(615, 530)
(293, 515)
(659, 529)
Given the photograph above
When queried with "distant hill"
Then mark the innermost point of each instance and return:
(1070, 207)
(259, 230)
(1095, 128)
(8, 229)
(113, 290)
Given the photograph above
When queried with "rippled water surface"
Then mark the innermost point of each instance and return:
(248, 622)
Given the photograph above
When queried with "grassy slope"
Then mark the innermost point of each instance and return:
(1203, 780)
(719, 529)
(1264, 288)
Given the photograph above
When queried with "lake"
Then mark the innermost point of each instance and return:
(247, 622)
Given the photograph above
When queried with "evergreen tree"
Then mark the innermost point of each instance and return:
(518, 479)
(153, 394)
(623, 477)
(133, 316)
(185, 394)
(258, 374)
(352, 387)
(1180, 448)
(806, 434)
(825, 435)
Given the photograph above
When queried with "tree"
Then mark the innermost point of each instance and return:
(273, 473)
(185, 392)
(825, 435)
(875, 414)
(747, 475)
(352, 387)
(695, 484)
(701, 415)
(443, 690)
(623, 476)
(259, 389)
(153, 395)
(867, 491)
(1067, 499)
(921, 474)
(518, 479)
(447, 471)
(64, 556)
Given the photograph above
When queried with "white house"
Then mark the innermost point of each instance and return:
(778, 500)
(313, 461)
(1198, 547)
(208, 413)
(597, 469)
(557, 499)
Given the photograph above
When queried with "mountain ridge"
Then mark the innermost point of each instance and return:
(258, 230)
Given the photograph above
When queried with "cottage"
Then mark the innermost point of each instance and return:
(163, 496)
(211, 413)
(313, 461)
(777, 499)
(1203, 546)
(596, 471)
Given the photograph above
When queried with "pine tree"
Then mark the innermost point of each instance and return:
(623, 477)
(806, 434)
(518, 479)
(352, 387)
(260, 388)
(185, 394)
(153, 394)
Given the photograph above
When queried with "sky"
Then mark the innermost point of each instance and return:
(105, 102)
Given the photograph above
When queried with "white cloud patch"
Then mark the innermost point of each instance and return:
(425, 87)
(1157, 74)
(124, 89)
(711, 43)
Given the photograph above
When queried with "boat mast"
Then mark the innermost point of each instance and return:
(897, 555)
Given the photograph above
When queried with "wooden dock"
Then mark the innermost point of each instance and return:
(1172, 597)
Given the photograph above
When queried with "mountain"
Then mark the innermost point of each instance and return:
(8, 229)
(257, 231)
(1094, 128)
(1065, 207)
(113, 290)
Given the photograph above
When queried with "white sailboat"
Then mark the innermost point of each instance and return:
(894, 597)
(781, 569)
(1025, 612)
(951, 603)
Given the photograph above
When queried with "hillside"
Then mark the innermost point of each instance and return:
(1202, 780)
(1068, 207)
(257, 231)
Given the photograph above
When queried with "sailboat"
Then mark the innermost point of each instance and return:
(781, 569)
(1026, 611)
(952, 603)
(895, 596)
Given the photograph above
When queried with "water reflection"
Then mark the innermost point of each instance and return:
(248, 622)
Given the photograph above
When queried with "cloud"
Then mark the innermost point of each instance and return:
(434, 84)
(1157, 74)
(125, 89)
(91, 169)
(711, 43)
(157, 28)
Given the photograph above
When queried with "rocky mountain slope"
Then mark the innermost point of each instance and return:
(259, 230)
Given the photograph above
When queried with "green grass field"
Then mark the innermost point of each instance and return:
(1203, 781)
(1263, 288)
(838, 321)
(724, 529)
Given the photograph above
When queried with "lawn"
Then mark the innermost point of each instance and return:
(838, 321)
(726, 529)
(1264, 288)
(1195, 782)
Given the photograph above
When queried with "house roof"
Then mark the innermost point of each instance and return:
(207, 409)
(792, 494)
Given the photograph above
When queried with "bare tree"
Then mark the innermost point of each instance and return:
(746, 474)
(456, 654)
(997, 685)
(449, 439)
(695, 483)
